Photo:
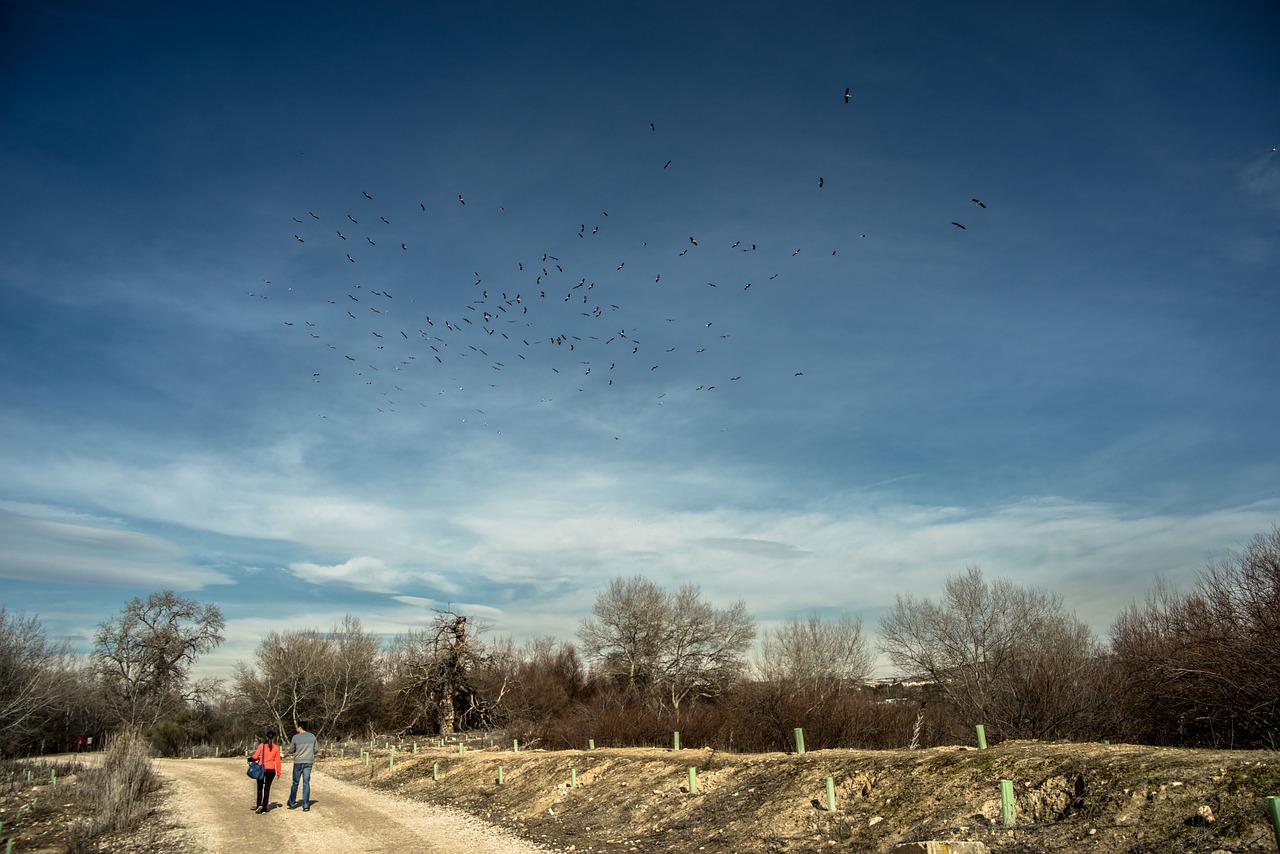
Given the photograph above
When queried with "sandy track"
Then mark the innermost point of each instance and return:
(212, 797)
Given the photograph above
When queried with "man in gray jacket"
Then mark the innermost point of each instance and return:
(303, 748)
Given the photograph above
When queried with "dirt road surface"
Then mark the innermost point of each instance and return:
(212, 799)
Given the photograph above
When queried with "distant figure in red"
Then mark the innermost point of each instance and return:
(79, 744)
(268, 753)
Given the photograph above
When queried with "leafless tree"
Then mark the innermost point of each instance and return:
(675, 644)
(328, 679)
(445, 677)
(144, 654)
(34, 677)
(813, 660)
(1204, 667)
(1009, 657)
(625, 633)
(705, 648)
(547, 681)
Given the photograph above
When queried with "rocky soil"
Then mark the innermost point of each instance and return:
(1068, 797)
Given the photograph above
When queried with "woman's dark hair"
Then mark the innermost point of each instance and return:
(271, 736)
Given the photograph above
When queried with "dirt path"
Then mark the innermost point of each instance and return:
(212, 799)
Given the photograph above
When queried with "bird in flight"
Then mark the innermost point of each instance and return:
(979, 203)
(820, 181)
(366, 195)
(958, 225)
(461, 200)
(846, 94)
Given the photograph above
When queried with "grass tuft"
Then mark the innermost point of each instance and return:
(115, 794)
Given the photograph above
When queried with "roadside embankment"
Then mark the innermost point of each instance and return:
(1065, 797)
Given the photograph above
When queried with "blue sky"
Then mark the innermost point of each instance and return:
(499, 402)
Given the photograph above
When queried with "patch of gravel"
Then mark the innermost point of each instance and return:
(211, 797)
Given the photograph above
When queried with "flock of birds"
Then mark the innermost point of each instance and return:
(557, 321)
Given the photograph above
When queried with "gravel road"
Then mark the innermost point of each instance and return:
(212, 798)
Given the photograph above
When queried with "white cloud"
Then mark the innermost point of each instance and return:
(364, 573)
(538, 548)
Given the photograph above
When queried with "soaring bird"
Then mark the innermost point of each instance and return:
(366, 195)
(651, 127)
(958, 225)
(979, 203)
(461, 200)
(820, 181)
(846, 94)
(665, 165)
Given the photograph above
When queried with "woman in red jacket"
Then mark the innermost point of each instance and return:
(268, 753)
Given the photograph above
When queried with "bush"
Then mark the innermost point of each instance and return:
(115, 793)
(1202, 668)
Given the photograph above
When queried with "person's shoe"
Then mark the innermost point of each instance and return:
(254, 808)
(292, 806)
(306, 809)
(260, 810)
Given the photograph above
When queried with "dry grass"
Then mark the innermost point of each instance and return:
(115, 795)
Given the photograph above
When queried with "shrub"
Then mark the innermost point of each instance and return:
(115, 793)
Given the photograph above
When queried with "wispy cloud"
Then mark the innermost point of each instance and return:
(47, 550)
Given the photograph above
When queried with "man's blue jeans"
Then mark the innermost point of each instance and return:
(301, 771)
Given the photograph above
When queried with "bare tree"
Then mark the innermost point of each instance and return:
(144, 654)
(329, 679)
(1010, 657)
(704, 649)
(548, 680)
(34, 673)
(676, 644)
(625, 633)
(813, 660)
(1204, 667)
(445, 677)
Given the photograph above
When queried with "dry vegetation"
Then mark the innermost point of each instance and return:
(106, 802)
(1069, 797)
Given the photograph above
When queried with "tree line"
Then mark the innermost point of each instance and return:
(1198, 667)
